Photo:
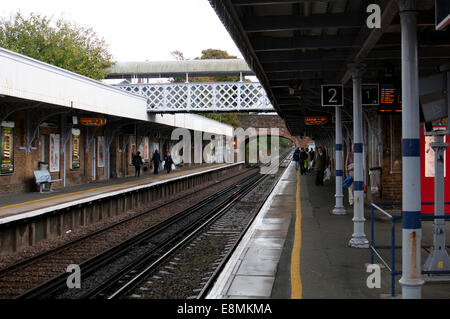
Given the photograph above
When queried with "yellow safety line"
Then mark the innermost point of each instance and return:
(65, 195)
(296, 281)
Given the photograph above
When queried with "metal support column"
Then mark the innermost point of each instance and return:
(411, 280)
(339, 208)
(358, 239)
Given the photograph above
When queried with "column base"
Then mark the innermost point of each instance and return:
(411, 288)
(359, 242)
(339, 211)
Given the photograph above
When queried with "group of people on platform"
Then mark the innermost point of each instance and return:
(309, 161)
(156, 160)
(319, 162)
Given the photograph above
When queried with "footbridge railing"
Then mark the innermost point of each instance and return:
(202, 97)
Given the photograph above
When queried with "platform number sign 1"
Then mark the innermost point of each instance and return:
(332, 95)
(370, 94)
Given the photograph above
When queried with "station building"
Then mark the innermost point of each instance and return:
(80, 129)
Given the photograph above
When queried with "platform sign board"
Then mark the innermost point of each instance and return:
(132, 151)
(101, 151)
(55, 141)
(144, 148)
(7, 148)
(93, 121)
(332, 95)
(315, 120)
(370, 94)
(442, 14)
(75, 156)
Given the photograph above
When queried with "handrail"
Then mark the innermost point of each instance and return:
(393, 247)
(381, 210)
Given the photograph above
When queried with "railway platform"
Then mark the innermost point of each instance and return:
(296, 249)
(28, 218)
(13, 204)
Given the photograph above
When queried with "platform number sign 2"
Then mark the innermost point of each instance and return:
(332, 95)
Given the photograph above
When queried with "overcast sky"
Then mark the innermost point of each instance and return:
(140, 30)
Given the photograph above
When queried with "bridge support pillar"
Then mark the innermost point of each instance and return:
(339, 208)
(411, 279)
(358, 239)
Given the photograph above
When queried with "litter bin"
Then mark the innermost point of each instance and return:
(43, 166)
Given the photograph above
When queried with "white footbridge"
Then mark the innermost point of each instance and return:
(194, 96)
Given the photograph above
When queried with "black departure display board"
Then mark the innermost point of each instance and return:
(390, 98)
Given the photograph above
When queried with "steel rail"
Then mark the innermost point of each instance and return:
(49, 287)
(174, 244)
(30, 260)
(191, 232)
(207, 287)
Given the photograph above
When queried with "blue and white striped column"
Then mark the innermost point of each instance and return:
(411, 280)
(358, 239)
(339, 208)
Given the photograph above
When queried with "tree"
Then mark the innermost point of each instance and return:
(61, 43)
(215, 54)
(178, 55)
(212, 54)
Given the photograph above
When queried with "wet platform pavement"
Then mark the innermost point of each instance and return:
(299, 250)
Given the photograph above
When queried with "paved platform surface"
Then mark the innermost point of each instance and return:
(25, 202)
(297, 249)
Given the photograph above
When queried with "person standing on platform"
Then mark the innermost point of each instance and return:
(137, 162)
(168, 162)
(312, 153)
(349, 166)
(319, 165)
(156, 159)
(303, 159)
(296, 158)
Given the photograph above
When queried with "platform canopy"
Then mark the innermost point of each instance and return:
(164, 69)
(296, 46)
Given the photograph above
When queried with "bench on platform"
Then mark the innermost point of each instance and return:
(43, 177)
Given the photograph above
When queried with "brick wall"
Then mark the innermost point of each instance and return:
(22, 179)
(269, 121)
(391, 181)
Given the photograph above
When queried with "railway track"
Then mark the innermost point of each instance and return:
(126, 279)
(20, 279)
(117, 270)
(146, 263)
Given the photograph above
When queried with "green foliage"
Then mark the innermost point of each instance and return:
(61, 43)
(209, 54)
(284, 143)
(227, 118)
(264, 145)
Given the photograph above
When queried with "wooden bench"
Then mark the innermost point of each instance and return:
(43, 177)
